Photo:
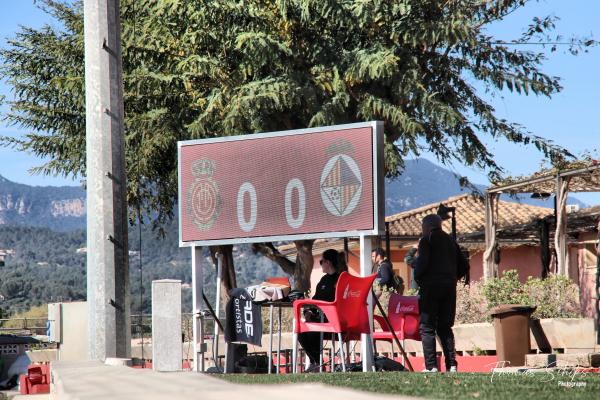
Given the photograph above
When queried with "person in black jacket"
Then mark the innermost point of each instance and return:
(439, 265)
(325, 290)
(385, 273)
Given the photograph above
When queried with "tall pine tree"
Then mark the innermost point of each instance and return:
(205, 68)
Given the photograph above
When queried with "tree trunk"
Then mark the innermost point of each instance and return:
(228, 279)
(304, 264)
(300, 270)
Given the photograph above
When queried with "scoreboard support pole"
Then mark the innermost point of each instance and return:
(197, 320)
(366, 342)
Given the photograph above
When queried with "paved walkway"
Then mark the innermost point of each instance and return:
(94, 380)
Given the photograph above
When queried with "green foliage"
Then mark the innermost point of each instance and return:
(477, 351)
(505, 290)
(555, 297)
(46, 267)
(206, 68)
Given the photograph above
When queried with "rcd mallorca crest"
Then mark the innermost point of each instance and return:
(341, 181)
(203, 197)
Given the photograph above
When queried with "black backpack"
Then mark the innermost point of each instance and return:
(397, 283)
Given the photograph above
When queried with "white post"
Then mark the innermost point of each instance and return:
(279, 341)
(166, 325)
(294, 350)
(366, 344)
(270, 360)
(197, 291)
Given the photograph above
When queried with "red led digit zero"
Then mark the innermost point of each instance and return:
(309, 183)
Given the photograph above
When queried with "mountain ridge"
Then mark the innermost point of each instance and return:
(63, 208)
(422, 182)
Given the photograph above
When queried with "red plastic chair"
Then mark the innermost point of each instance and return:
(347, 316)
(403, 314)
(37, 380)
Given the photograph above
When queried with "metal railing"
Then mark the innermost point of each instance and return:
(141, 326)
(30, 325)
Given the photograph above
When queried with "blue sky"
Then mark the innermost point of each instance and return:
(570, 119)
(14, 165)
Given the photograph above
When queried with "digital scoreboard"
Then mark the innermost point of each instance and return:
(290, 185)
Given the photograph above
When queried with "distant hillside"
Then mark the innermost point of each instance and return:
(60, 208)
(422, 182)
(44, 266)
(41, 266)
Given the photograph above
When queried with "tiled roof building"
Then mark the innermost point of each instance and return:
(470, 216)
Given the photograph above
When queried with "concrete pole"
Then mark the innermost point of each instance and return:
(366, 268)
(108, 291)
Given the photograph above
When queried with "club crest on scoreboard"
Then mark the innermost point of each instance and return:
(341, 184)
(203, 197)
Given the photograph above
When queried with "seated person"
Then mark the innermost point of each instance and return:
(333, 264)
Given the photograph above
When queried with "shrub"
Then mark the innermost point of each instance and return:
(505, 290)
(555, 297)
(471, 305)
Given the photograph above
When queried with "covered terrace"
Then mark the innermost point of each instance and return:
(573, 178)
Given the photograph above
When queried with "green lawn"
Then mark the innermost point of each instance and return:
(449, 386)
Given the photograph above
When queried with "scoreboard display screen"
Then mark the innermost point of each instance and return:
(298, 184)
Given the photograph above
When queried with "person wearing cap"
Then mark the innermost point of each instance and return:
(439, 265)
